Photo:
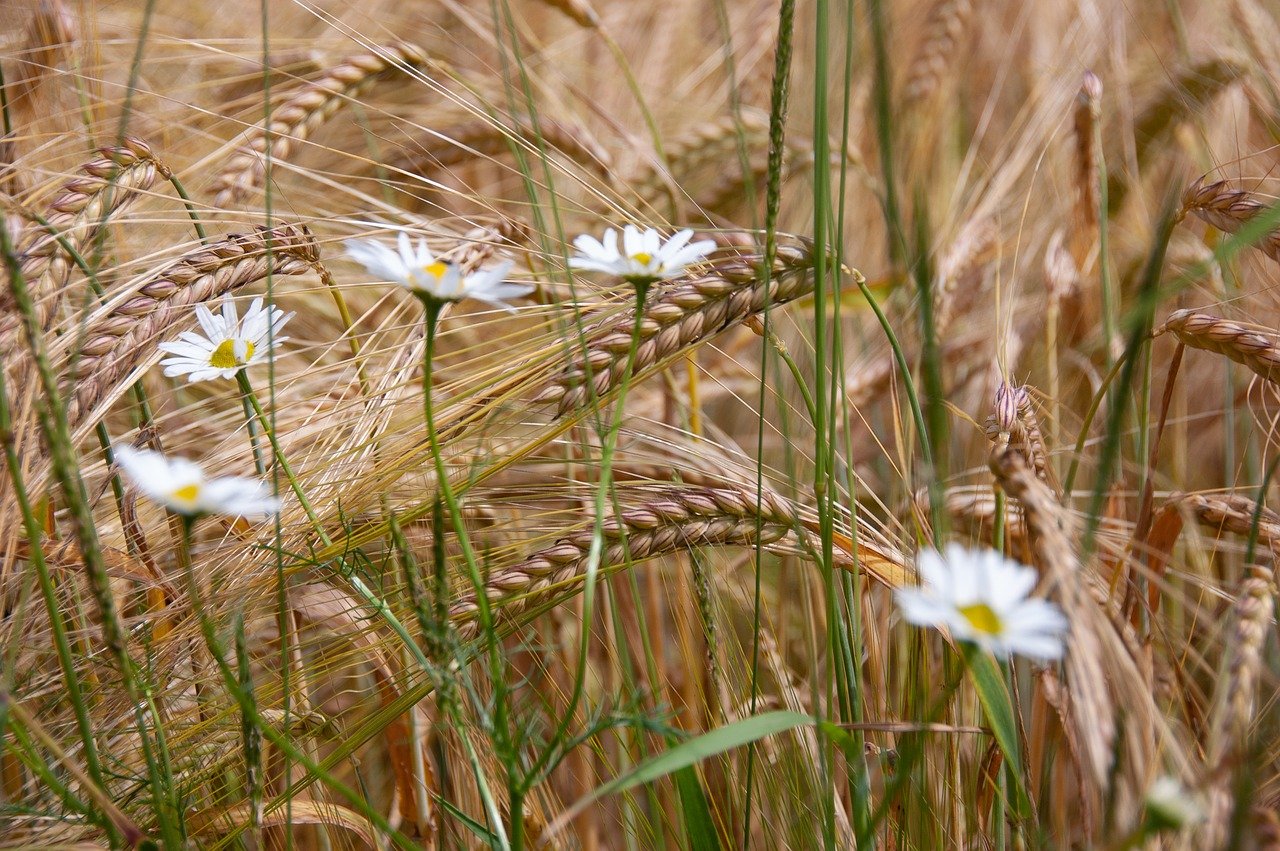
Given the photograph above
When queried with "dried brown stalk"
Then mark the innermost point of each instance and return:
(1230, 513)
(483, 139)
(678, 318)
(1233, 341)
(78, 214)
(116, 342)
(299, 116)
(946, 25)
(1229, 210)
(1088, 113)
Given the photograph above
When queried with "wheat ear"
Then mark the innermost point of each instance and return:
(1230, 513)
(115, 343)
(77, 215)
(678, 318)
(1229, 210)
(1229, 339)
(945, 27)
(299, 116)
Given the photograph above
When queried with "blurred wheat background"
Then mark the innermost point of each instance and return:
(987, 272)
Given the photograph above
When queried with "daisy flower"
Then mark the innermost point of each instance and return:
(182, 487)
(644, 257)
(228, 345)
(417, 270)
(982, 597)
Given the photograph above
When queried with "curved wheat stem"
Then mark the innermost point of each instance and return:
(117, 341)
(299, 116)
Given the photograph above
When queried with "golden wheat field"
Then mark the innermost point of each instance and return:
(710, 424)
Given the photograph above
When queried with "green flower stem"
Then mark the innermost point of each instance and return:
(379, 605)
(591, 573)
(52, 416)
(191, 208)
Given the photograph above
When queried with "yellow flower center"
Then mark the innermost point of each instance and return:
(982, 619)
(436, 269)
(187, 493)
(224, 357)
(642, 258)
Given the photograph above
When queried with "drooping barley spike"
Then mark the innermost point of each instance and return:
(677, 318)
(677, 518)
(119, 340)
(946, 25)
(1229, 210)
(709, 143)
(1234, 341)
(1230, 513)
(299, 116)
(480, 139)
(104, 187)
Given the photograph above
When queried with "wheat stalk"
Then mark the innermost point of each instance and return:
(116, 342)
(298, 117)
(1228, 210)
(678, 318)
(1233, 341)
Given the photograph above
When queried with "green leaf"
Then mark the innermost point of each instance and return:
(998, 707)
(688, 754)
(699, 827)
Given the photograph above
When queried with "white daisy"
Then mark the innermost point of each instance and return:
(982, 597)
(644, 257)
(1170, 807)
(181, 486)
(229, 343)
(419, 271)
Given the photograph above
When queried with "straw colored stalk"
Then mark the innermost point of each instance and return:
(1229, 210)
(78, 214)
(297, 118)
(115, 343)
(946, 25)
(1229, 513)
(678, 318)
(1229, 339)
(483, 139)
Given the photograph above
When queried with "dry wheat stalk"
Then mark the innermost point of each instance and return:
(677, 318)
(946, 25)
(299, 116)
(1088, 113)
(675, 519)
(1233, 341)
(78, 214)
(116, 342)
(1231, 513)
(483, 139)
(49, 37)
(1228, 210)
